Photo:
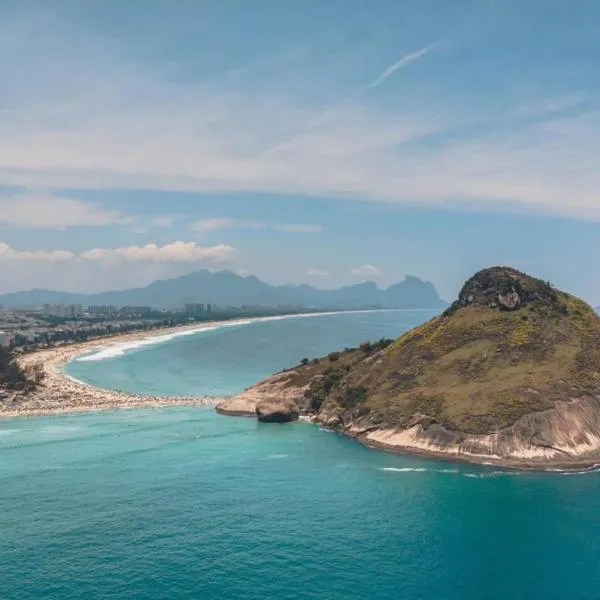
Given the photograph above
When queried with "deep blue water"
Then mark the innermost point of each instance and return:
(183, 503)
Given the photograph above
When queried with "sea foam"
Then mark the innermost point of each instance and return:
(117, 349)
(417, 470)
(405, 469)
(120, 348)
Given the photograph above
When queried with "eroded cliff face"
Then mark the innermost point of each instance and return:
(276, 388)
(566, 436)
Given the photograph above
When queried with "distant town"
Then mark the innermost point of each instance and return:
(23, 330)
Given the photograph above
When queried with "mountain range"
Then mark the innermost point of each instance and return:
(225, 288)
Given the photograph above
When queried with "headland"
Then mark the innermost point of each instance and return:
(508, 375)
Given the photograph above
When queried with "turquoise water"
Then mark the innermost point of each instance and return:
(226, 360)
(183, 503)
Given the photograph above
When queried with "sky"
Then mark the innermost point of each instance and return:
(319, 141)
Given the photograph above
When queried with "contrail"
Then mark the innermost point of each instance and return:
(323, 117)
(402, 62)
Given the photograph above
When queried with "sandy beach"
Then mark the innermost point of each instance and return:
(59, 393)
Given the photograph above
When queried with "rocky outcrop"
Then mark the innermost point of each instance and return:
(275, 388)
(509, 374)
(503, 288)
(567, 436)
(277, 411)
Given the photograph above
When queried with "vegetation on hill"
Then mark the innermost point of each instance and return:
(509, 346)
(13, 377)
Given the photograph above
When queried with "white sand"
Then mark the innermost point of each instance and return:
(61, 393)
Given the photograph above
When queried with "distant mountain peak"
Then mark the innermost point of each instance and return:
(230, 289)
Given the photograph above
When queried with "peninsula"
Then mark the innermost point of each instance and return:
(509, 374)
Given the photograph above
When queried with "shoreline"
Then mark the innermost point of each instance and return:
(60, 393)
(274, 388)
(488, 461)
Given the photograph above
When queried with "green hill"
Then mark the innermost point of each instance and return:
(509, 372)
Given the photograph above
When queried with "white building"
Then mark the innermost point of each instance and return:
(62, 310)
(6, 339)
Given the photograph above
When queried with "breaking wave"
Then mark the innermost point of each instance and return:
(417, 470)
(117, 349)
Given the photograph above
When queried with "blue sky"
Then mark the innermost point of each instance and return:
(323, 141)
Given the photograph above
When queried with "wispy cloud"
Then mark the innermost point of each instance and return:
(322, 118)
(44, 210)
(30, 209)
(366, 271)
(548, 106)
(163, 220)
(115, 123)
(212, 224)
(317, 273)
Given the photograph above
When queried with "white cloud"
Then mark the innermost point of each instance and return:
(317, 273)
(212, 224)
(54, 256)
(177, 252)
(43, 210)
(113, 123)
(366, 270)
(296, 228)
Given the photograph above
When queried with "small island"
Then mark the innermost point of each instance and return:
(509, 374)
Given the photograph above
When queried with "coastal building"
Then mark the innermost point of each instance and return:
(104, 310)
(195, 309)
(6, 339)
(138, 311)
(62, 310)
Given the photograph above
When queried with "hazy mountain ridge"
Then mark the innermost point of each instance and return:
(227, 288)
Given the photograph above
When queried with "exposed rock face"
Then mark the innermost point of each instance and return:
(277, 411)
(509, 374)
(504, 288)
(567, 436)
(274, 388)
(511, 301)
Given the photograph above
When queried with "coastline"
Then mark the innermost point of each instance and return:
(484, 461)
(60, 393)
(275, 387)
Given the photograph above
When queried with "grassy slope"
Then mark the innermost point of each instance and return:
(474, 370)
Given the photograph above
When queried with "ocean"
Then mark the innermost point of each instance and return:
(183, 503)
(227, 358)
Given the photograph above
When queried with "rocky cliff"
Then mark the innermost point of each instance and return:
(509, 374)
